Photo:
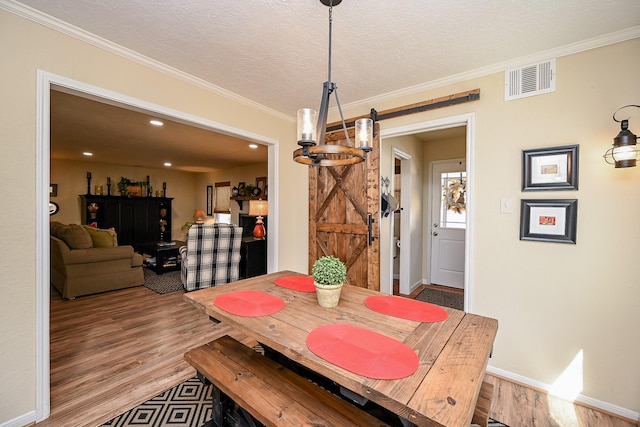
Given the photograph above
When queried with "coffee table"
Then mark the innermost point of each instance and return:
(165, 254)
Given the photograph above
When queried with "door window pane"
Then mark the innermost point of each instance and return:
(453, 209)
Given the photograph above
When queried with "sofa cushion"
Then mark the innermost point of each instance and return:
(75, 236)
(102, 238)
(55, 227)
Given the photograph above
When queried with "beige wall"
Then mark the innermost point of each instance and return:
(34, 47)
(553, 301)
(414, 148)
(246, 174)
(557, 302)
(188, 189)
(71, 177)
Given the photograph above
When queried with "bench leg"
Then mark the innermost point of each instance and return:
(226, 413)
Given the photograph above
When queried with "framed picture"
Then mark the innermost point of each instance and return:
(241, 188)
(53, 190)
(261, 183)
(549, 220)
(209, 200)
(553, 168)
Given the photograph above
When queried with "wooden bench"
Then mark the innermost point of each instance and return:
(271, 393)
(483, 405)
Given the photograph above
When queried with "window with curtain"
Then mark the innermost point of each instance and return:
(223, 197)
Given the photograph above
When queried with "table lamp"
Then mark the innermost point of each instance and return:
(258, 208)
(199, 216)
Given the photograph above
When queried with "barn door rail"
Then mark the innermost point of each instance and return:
(432, 104)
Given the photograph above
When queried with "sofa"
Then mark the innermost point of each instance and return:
(86, 260)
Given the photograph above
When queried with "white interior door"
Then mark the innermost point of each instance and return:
(448, 223)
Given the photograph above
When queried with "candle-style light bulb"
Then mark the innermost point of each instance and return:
(364, 133)
(307, 123)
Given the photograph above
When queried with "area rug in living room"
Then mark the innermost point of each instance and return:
(164, 283)
(188, 404)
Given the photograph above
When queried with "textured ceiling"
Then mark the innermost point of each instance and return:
(274, 52)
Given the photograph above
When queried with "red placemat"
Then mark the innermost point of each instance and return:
(406, 308)
(363, 351)
(249, 303)
(297, 283)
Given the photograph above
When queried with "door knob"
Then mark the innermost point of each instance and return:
(435, 224)
(435, 233)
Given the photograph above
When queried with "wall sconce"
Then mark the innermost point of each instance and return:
(258, 208)
(625, 151)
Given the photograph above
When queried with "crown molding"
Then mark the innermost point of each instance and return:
(65, 28)
(570, 49)
(85, 36)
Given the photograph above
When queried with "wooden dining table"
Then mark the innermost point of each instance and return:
(452, 353)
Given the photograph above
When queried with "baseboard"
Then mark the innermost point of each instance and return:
(583, 400)
(23, 420)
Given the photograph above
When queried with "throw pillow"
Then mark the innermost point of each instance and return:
(55, 227)
(75, 236)
(102, 238)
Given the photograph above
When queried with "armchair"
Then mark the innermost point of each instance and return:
(212, 255)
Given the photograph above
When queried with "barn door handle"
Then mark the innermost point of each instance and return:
(370, 230)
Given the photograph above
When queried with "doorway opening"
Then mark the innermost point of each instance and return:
(45, 83)
(418, 222)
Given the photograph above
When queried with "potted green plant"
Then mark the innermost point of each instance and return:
(329, 274)
(123, 185)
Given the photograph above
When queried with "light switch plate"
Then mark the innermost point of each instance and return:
(506, 205)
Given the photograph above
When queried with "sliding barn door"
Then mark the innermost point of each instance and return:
(343, 214)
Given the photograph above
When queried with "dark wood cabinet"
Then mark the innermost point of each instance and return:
(135, 219)
(253, 257)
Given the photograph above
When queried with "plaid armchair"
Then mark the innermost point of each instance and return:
(212, 255)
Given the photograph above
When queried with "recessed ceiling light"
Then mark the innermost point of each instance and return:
(253, 145)
(156, 122)
(167, 163)
(87, 153)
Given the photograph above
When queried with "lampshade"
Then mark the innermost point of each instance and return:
(199, 216)
(258, 207)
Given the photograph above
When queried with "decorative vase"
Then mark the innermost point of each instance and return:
(328, 296)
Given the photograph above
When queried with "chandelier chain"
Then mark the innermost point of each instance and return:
(330, 37)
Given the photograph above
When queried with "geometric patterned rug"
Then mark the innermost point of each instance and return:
(162, 284)
(185, 405)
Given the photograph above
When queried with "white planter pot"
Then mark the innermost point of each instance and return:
(328, 296)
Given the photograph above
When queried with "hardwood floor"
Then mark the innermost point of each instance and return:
(113, 351)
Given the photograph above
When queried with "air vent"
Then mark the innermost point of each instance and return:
(530, 80)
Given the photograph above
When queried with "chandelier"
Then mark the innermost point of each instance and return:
(312, 127)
